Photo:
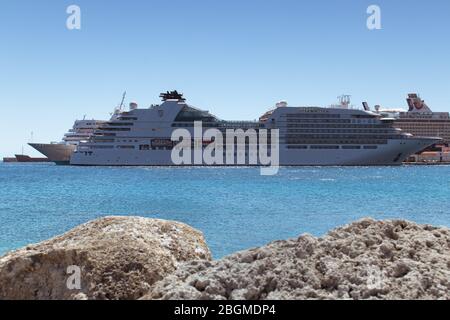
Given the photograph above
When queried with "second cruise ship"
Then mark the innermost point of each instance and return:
(308, 136)
(60, 152)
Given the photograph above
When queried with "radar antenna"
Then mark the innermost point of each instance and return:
(345, 100)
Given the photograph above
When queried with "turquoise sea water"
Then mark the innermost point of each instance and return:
(236, 208)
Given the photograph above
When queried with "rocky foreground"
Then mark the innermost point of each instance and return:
(131, 258)
(118, 257)
(365, 260)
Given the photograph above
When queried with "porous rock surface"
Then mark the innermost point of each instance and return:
(118, 258)
(364, 260)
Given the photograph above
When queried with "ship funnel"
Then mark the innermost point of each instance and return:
(416, 104)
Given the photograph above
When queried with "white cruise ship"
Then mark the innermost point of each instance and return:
(60, 152)
(308, 136)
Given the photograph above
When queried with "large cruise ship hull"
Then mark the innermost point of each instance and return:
(58, 153)
(395, 152)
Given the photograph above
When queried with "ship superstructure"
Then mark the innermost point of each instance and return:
(308, 136)
(419, 119)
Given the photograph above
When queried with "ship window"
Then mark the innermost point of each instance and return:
(189, 114)
(324, 147)
(370, 147)
(114, 129)
(118, 124)
(351, 147)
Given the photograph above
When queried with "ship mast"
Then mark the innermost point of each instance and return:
(118, 109)
(123, 100)
(345, 100)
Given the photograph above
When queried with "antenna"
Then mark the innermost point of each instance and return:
(344, 100)
(123, 99)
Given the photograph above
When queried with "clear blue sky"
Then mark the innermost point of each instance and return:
(234, 58)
